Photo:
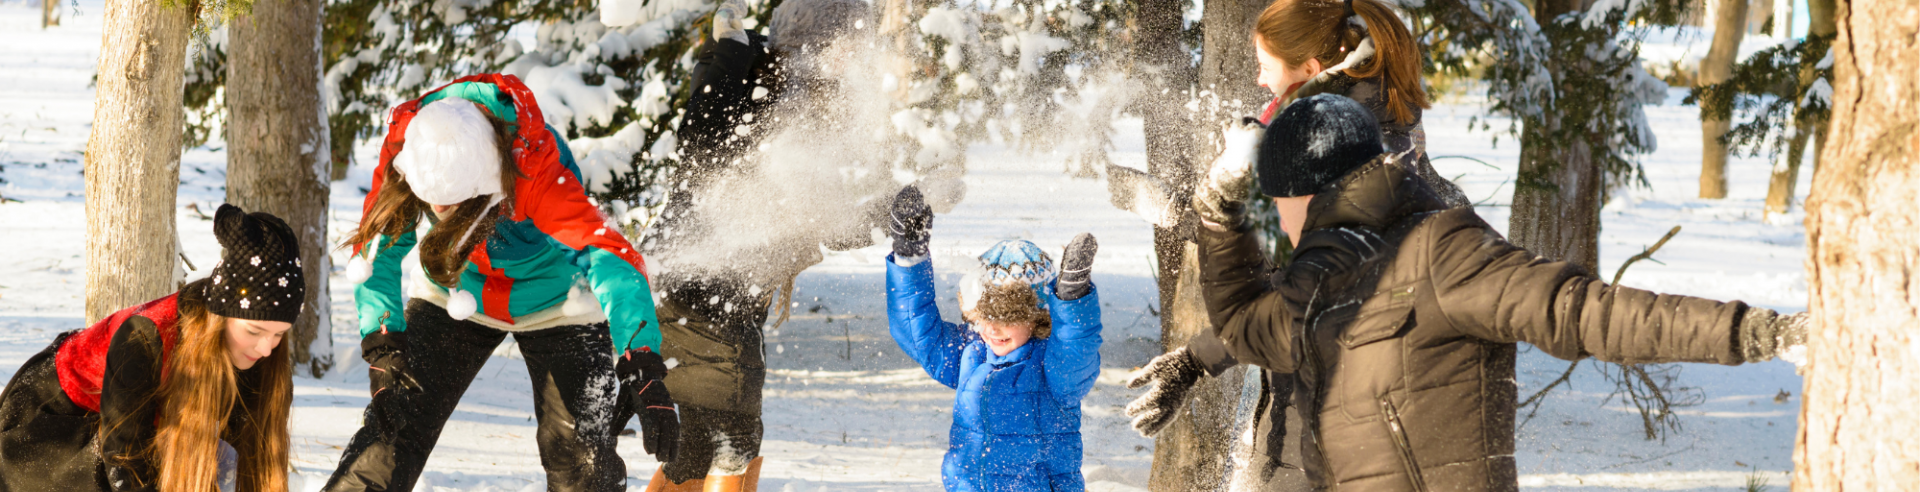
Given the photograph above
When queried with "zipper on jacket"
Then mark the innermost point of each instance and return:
(1400, 442)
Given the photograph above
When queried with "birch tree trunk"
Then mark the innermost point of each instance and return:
(1786, 175)
(1862, 399)
(1729, 26)
(277, 147)
(133, 155)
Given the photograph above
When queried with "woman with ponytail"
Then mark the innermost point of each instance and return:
(186, 393)
(1353, 48)
(513, 246)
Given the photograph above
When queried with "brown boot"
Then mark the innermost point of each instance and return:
(659, 483)
(748, 481)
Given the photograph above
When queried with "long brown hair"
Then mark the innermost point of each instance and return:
(198, 390)
(396, 210)
(1298, 30)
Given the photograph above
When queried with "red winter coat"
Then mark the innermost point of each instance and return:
(83, 359)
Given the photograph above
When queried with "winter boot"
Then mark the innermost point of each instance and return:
(748, 481)
(659, 483)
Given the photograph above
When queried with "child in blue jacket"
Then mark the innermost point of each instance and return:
(1029, 353)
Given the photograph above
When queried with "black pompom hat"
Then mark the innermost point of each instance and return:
(259, 276)
(1314, 142)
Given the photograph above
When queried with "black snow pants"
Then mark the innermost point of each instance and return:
(574, 393)
(712, 327)
(46, 441)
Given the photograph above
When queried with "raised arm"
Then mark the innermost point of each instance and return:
(915, 322)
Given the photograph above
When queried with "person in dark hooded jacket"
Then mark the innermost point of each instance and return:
(727, 255)
(1399, 316)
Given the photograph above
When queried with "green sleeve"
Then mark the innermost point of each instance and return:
(379, 297)
(627, 298)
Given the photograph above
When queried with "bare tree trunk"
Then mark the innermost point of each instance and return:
(1861, 401)
(49, 13)
(1556, 196)
(277, 147)
(1729, 27)
(1786, 175)
(133, 155)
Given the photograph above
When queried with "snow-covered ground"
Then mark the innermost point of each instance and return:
(845, 409)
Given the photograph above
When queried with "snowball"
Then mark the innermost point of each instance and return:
(580, 302)
(450, 153)
(620, 13)
(672, 363)
(460, 305)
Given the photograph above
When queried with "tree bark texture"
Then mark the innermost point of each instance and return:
(1556, 196)
(1862, 398)
(133, 155)
(1786, 176)
(277, 147)
(1228, 65)
(1717, 67)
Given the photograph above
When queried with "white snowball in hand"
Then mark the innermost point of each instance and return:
(460, 305)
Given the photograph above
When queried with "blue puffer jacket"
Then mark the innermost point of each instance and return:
(1016, 419)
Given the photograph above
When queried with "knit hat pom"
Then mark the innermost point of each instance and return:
(359, 269)
(451, 153)
(460, 304)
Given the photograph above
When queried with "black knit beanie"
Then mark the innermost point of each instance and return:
(259, 275)
(1314, 142)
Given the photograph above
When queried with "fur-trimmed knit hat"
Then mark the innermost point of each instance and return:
(259, 276)
(1314, 142)
(1007, 288)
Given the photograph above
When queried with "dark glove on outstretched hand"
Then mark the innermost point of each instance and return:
(1173, 375)
(643, 374)
(386, 356)
(1076, 268)
(911, 224)
(1765, 334)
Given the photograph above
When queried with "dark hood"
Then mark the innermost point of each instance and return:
(1378, 194)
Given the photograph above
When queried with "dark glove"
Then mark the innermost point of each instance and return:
(911, 224)
(1764, 335)
(1076, 268)
(643, 375)
(1173, 375)
(386, 356)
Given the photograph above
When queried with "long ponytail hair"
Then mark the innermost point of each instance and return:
(198, 391)
(1298, 30)
(396, 210)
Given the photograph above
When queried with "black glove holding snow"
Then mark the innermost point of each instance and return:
(1765, 334)
(1076, 268)
(643, 375)
(386, 356)
(1221, 196)
(1173, 375)
(910, 224)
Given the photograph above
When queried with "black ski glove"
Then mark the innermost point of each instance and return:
(911, 225)
(1764, 335)
(386, 356)
(1076, 268)
(643, 374)
(1173, 375)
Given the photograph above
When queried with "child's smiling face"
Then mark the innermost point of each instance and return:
(1003, 337)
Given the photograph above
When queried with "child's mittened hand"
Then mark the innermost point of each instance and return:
(1076, 268)
(910, 224)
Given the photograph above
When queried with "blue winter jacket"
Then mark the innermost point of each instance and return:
(1016, 419)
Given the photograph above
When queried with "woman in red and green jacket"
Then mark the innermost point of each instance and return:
(513, 246)
(178, 394)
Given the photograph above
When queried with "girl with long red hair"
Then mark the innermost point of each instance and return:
(184, 393)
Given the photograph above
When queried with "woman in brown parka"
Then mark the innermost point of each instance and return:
(1399, 316)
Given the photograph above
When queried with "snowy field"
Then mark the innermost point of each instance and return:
(846, 410)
